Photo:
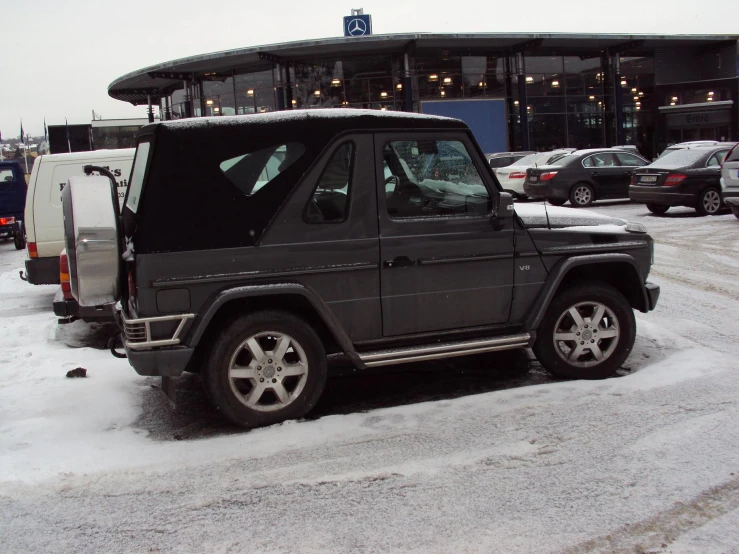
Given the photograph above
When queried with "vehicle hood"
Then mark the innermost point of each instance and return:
(535, 216)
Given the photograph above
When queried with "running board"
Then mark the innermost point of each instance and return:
(443, 350)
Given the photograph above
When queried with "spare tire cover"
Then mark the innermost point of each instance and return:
(91, 239)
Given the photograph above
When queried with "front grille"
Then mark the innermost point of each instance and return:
(135, 332)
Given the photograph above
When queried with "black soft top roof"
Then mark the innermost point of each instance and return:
(337, 120)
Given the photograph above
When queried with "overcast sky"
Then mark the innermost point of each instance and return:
(59, 56)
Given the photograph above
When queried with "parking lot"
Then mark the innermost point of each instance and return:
(488, 453)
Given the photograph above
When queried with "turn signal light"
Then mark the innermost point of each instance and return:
(517, 175)
(548, 175)
(32, 250)
(675, 179)
(7, 220)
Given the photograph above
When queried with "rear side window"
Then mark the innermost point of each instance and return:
(567, 159)
(137, 175)
(717, 159)
(251, 172)
(6, 176)
(604, 159)
(330, 200)
(630, 160)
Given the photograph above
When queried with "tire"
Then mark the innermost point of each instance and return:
(19, 239)
(735, 211)
(253, 401)
(617, 322)
(556, 201)
(658, 209)
(709, 202)
(582, 195)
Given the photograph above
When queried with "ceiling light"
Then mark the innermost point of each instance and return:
(433, 77)
(209, 102)
(529, 79)
(447, 80)
(383, 94)
(638, 103)
(638, 107)
(480, 84)
(555, 84)
(399, 86)
(600, 103)
(641, 94)
(443, 93)
(294, 102)
(591, 97)
(710, 98)
(674, 98)
(672, 103)
(633, 89)
(516, 103)
(624, 84)
(216, 109)
(710, 93)
(335, 82)
(317, 93)
(383, 109)
(250, 92)
(636, 98)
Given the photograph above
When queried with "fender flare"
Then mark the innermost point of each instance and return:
(559, 272)
(211, 307)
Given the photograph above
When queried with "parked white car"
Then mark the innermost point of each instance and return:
(512, 177)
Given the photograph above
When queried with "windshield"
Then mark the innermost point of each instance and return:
(567, 159)
(674, 159)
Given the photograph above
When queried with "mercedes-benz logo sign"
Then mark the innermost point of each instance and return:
(356, 27)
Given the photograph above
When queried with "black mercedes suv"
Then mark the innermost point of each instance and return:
(250, 248)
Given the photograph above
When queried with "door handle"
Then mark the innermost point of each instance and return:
(399, 261)
(594, 173)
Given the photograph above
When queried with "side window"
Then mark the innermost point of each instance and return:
(253, 171)
(717, 159)
(604, 159)
(330, 201)
(6, 176)
(630, 160)
(431, 178)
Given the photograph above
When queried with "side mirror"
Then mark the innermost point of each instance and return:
(505, 206)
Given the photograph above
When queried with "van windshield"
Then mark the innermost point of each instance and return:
(137, 174)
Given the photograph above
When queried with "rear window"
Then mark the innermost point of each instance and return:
(733, 155)
(675, 159)
(528, 160)
(565, 160)
(137, 174)
(253, 171)
(504, 161)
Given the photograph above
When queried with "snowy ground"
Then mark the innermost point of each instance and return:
(486, 454)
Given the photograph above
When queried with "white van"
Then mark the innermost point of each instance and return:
(43, 216)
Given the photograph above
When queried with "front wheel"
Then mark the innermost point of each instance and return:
(587, 332)
(582, 195)
(709, 202)
(658, 209)
(265, 368)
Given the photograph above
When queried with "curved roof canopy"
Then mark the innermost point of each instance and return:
(157, 79)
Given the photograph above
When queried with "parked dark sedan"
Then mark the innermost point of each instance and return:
(583, 177)
(689, 177)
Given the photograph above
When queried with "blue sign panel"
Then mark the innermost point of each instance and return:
(485, 118)
(357, 25)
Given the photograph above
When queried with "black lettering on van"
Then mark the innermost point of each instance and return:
(117, 172)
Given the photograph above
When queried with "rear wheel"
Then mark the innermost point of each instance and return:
(582, 195)
(709, 202)
(735, 211)
(587, 332)
(265, 368)
(19, 239)
(556, 201)
(658, 209)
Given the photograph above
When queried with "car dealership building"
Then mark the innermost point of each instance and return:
(516, 91)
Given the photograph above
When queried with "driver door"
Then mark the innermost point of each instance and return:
(443, 265)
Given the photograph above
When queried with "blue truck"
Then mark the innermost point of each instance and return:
(12, 203)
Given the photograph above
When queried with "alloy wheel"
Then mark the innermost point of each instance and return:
(268, 371)
(586, 334)
(583, 196)
(711, 201)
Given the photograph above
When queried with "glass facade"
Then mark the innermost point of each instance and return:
(553, 99)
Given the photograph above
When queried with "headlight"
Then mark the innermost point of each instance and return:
(635, 228)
